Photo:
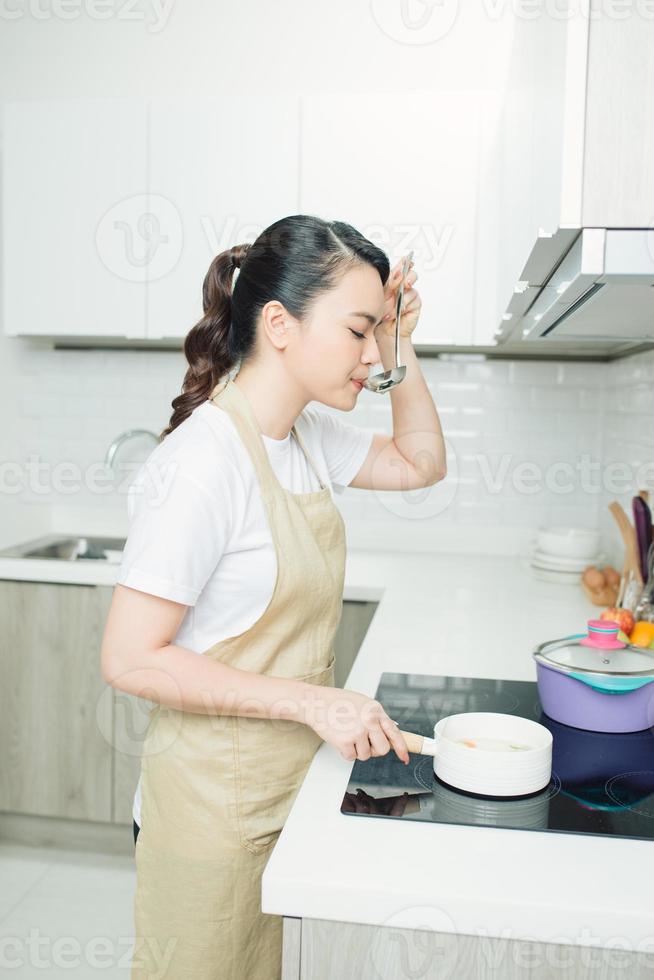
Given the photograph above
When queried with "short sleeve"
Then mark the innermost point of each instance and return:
(178, 532)
(345, 447)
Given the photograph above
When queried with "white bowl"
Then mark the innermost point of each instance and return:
(556, 578)
(568, 542)
(557, 564)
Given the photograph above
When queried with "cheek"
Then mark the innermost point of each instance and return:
(337, 350)
(331, 353)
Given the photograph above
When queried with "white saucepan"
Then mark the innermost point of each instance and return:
(488, 753)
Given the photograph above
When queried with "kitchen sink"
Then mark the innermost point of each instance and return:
(68, 548)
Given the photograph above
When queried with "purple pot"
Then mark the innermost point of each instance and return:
(574, 703)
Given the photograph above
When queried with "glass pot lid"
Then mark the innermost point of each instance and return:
(597, 652)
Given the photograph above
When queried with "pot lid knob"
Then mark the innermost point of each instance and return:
(603, 635)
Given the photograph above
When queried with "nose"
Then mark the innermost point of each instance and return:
(370, 352)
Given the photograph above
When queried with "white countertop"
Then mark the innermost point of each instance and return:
(455, 615)
(442, 614)
(52, 570)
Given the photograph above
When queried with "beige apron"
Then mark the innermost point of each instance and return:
(216, 789)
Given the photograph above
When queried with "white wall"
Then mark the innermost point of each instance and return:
(627, 439)
(516, 432)
(207, 48)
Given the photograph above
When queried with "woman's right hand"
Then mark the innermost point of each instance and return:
(356, 725)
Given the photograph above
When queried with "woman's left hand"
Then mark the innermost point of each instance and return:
(411, 304)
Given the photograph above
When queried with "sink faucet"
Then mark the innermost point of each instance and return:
(123, 437)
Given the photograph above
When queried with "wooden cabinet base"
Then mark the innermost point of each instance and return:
(317, 949)
(94, 836)
(55, 709)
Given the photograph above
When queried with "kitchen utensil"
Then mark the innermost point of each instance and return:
(631, 562)
(643, 526)
(568, 542)
(488, 753)
(595, 682)
(645, 606)
(631, 590)
(385, 380)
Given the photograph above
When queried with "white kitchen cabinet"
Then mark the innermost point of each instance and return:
(530, 142)
(406, 171)
(220, 172)
(75, 234)
(114, 209)
(120, 224)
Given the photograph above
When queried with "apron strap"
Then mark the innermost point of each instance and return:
(257, 445)
(308, 455)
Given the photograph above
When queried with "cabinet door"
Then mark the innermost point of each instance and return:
(55, 717)
(77, 237)
(403, 169)
(221, 171)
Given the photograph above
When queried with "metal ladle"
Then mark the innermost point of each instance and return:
(386, 380)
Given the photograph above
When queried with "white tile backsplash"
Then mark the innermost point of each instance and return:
(516, 432)
(627, 439)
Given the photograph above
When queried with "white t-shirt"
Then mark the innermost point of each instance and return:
(198, 529)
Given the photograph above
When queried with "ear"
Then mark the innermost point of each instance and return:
(277, 324)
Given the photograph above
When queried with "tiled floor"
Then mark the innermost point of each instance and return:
(65, 913)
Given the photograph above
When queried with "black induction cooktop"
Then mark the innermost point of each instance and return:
(601, 783)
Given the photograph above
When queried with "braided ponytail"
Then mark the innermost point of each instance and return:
(207, 345)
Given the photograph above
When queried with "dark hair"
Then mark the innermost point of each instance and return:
(292, 261)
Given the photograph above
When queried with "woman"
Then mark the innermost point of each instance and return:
(236, 551)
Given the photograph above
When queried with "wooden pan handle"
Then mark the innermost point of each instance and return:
(419, 744)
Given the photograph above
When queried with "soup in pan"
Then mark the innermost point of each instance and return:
(492, 744)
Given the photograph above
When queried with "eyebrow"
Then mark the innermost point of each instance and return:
(368, 316)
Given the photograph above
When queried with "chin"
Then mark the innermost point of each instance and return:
(344, 399)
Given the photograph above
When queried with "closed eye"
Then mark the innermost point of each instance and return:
(356, 333)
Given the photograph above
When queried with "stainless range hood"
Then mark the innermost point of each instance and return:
(577, 249)
(596, 284)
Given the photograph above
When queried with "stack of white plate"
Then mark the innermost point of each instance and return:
(560, 554)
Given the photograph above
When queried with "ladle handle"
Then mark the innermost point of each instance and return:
(420, 744)
(398, 309)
